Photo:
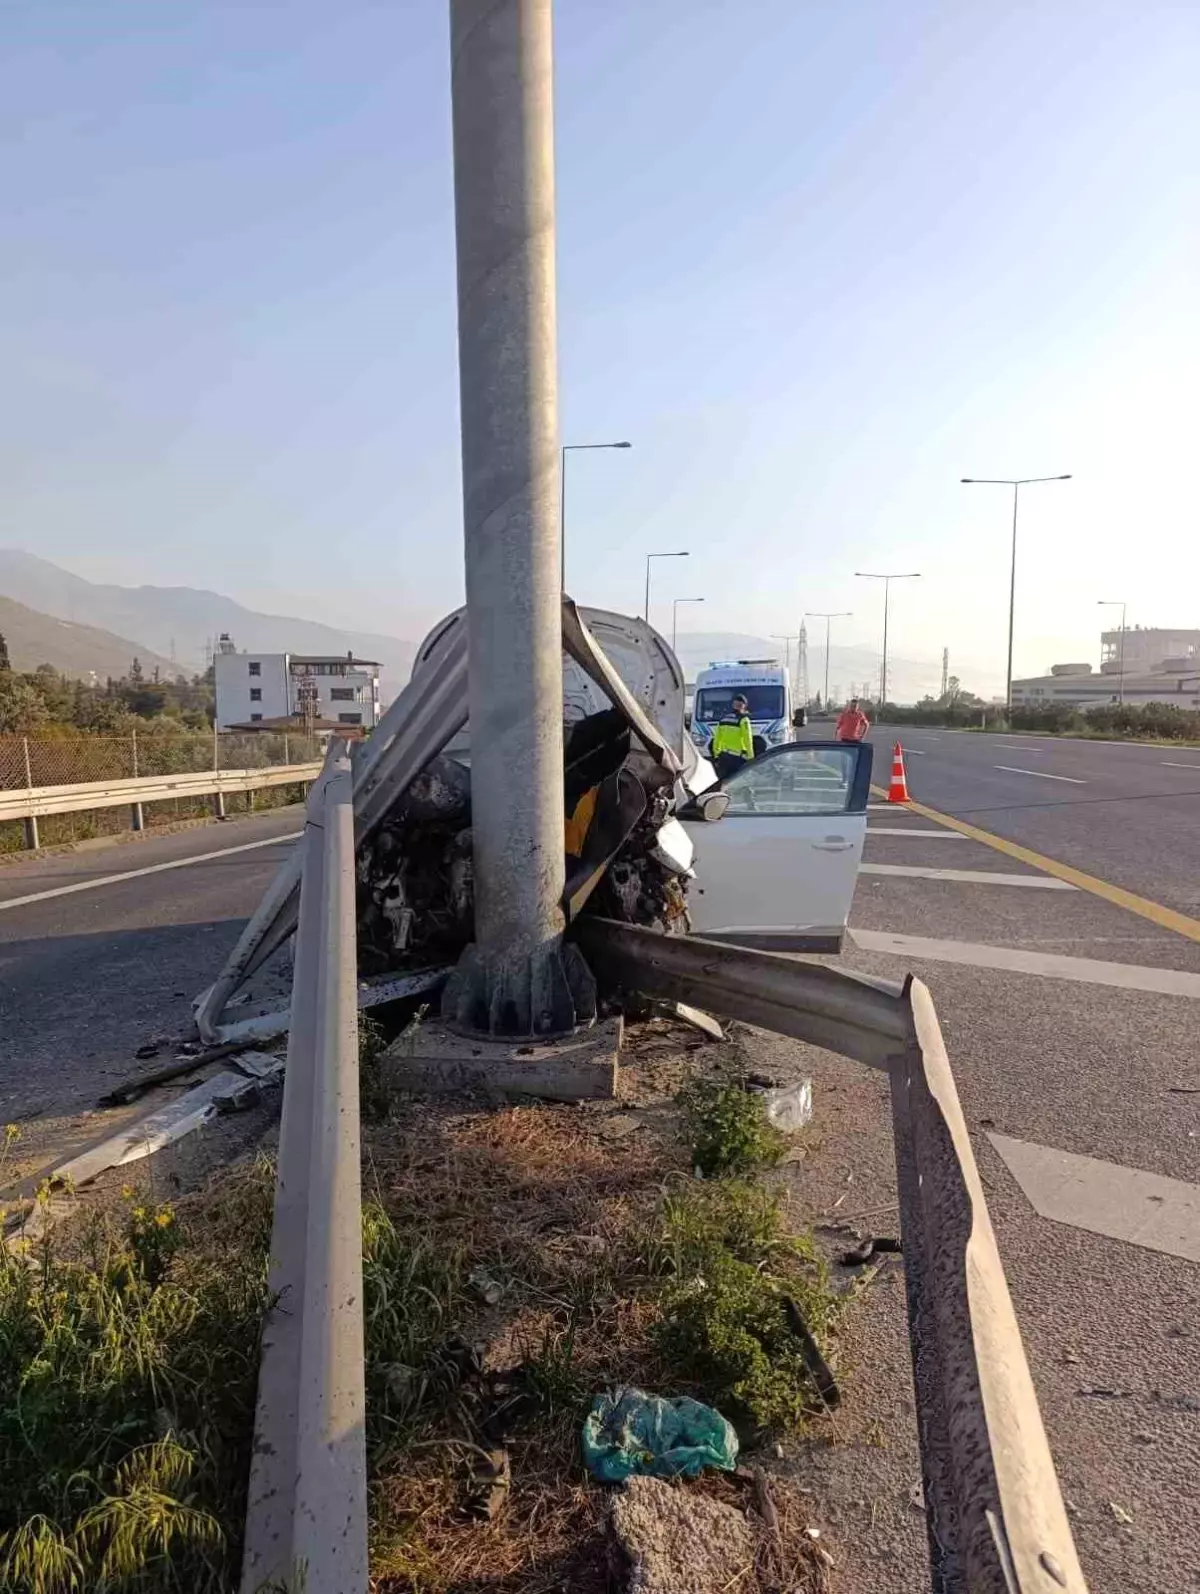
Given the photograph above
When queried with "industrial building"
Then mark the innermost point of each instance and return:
(1142, 664)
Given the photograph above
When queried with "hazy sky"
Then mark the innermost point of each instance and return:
(816, 261)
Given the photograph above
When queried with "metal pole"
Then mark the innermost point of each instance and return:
(1121, 688)
(646, 610)
(32, 839)
(825, 699)
(887, 587)
(562, 515)
(512, 980)
(1012, 603)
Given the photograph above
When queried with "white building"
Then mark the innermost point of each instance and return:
(1141, 665)
(253, 687)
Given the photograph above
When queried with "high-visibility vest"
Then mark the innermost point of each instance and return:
(734, 734)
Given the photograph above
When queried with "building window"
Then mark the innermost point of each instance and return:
(256, 716)
(349, 719)
(256, 694)
(255, 667)
(342, 694)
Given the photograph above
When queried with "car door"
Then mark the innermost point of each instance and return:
(778, 869)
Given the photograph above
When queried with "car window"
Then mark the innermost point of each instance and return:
(794, 780)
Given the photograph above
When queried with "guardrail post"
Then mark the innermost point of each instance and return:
(306, 1524)
(32, 839)
(136, 816)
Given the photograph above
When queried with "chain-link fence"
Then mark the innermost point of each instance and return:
(73, 760)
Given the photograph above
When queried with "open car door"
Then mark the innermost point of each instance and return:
(778, 869)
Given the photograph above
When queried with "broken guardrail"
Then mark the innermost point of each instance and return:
(994, 1510)
(306, 1523)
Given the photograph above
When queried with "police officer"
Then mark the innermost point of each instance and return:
(733, 739)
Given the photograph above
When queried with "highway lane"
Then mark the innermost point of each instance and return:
(88, 976)
(1127, 812)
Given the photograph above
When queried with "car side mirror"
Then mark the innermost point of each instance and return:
(710, 806)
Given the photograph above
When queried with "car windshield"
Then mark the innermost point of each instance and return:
(714, 702)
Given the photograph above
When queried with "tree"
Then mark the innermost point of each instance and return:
(136, 674)
(4, 664)
(21, 705)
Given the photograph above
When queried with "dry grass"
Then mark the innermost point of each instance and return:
(569, 1226)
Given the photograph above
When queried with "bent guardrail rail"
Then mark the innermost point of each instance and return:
(306, 1522)
(994, 1510)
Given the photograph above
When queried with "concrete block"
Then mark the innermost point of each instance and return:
(439, 1060)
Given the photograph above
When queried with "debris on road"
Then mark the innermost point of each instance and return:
(490, 1482)
(637, 1433)
(673, 1541)
(873, 1245)
(790, 1107)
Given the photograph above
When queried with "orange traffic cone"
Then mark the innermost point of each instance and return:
(898, 790)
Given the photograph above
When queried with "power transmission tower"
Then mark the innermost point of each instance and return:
(945, 671)
(802, 665)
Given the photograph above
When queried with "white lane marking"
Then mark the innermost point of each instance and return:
(928, 835)
(974, 877)
(96, 882)
(1040, 773)
(914, 752)
(1017, 960)
(1104, 1198)
(1167, 764)
(882, 808)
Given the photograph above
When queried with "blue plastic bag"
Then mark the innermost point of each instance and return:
(633, 1432)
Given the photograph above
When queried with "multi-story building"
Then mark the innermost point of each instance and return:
(267, 687)
(1140, 665)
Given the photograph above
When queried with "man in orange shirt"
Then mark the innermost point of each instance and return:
(852, 723)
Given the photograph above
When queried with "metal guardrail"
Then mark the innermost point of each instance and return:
(306, 1523)
(35, 802)
(994, 1510)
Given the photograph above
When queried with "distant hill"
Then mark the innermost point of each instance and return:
(188, 617)
(75, 650)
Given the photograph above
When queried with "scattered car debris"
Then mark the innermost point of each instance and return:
(490, 1481)
(1120, 1513)
(633, 1432)
(150, 1049)
(873, 1245)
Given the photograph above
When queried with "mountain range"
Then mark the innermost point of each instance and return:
(161, 622)
(77, 651)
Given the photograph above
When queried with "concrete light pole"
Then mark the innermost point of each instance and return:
(896, 575)
(512, 981)
(684, 555)
(572, 448)
(1016, 483)
(1117, 603)
(675, 602)
(819, 614)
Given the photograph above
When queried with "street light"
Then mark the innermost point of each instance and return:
(1016, 483)
(1117, 603)
(675, 602)
(819, 614)
(684, 555)
(893, 575)
(566, 449)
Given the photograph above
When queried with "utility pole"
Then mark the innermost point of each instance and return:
(820, 614)
(945, 672)
(802, 665)
(512, 980)
(887, 579)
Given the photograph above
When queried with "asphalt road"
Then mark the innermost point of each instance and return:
(89, 975)
(1122, 810)
(1086, 1045)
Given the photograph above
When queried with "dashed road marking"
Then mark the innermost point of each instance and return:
(94, 883)
(1040, 774)
(1167, 764)
(1018, 960)
(974, 877)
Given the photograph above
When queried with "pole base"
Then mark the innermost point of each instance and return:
(435, 1060)
(547, 992)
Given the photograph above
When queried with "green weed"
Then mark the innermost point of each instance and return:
(727, 1129)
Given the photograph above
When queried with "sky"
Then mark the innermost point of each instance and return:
(815, 262)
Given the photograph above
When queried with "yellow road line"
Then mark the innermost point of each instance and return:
(1167, 918)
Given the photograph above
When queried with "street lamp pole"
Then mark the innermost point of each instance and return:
(572, 448)
(1117, 603)
(1016, 483)
(819, 614)
(683, 555)
(887, 579)
(675, 602)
